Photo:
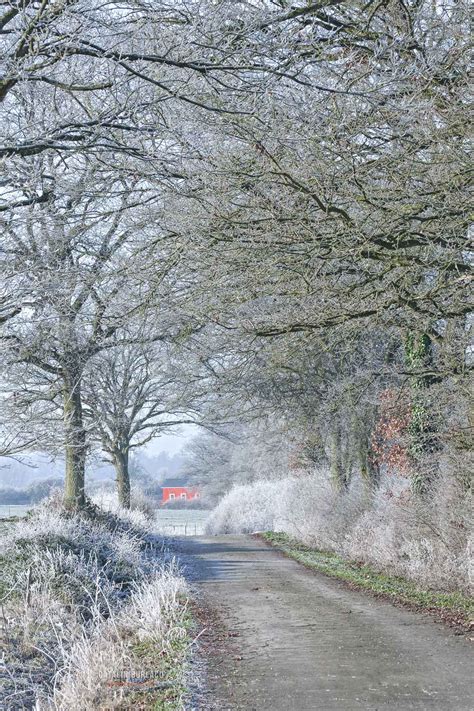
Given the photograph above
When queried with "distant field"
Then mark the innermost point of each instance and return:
(181, 522)
(9, 510)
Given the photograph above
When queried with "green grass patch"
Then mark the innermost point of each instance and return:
(459, 606)
(166, 670)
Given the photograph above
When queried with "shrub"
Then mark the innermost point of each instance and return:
(142, 510)
(248, 508)
(426, 540)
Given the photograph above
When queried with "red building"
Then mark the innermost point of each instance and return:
(176, 490)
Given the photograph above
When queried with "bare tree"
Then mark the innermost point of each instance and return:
(305, 162)
(353, 207)
(108, 81)
(341, 208)
(132, 394)
(74, 270)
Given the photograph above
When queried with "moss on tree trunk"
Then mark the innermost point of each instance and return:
(339, 473)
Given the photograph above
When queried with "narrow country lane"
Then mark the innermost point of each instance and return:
(298, 641)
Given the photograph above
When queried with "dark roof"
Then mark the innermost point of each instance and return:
(174, 482)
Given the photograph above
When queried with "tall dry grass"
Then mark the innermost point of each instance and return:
(82, 596)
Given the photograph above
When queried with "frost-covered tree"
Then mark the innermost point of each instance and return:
(266, 448)
(304, 164)
(132, 394)
(74, 268)
(342, 208)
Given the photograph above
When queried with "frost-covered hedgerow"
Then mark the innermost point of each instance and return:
(249, 507)
(425, 540)
(90, 601)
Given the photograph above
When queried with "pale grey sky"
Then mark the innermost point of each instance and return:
(172, 443)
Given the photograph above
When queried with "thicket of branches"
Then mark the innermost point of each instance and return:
(277, 191)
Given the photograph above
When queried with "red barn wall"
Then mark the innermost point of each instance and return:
(177, 491)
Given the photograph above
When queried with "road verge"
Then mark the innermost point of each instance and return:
(454, 608)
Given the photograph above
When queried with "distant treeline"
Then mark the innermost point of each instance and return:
(31, 494)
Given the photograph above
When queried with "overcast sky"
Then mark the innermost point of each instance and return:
(172, 443)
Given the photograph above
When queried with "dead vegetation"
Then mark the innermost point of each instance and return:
(94, 613)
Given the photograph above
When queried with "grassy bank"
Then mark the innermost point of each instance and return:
(453, 607)
(95, 613)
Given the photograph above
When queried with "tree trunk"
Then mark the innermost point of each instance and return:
(75, 442)
(369, 469)
(338, 474)
(123, 478)
(422, 427)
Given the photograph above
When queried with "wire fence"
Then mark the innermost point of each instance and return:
(14, 510)
(189, 528)
(168, 523)
(181, 523)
